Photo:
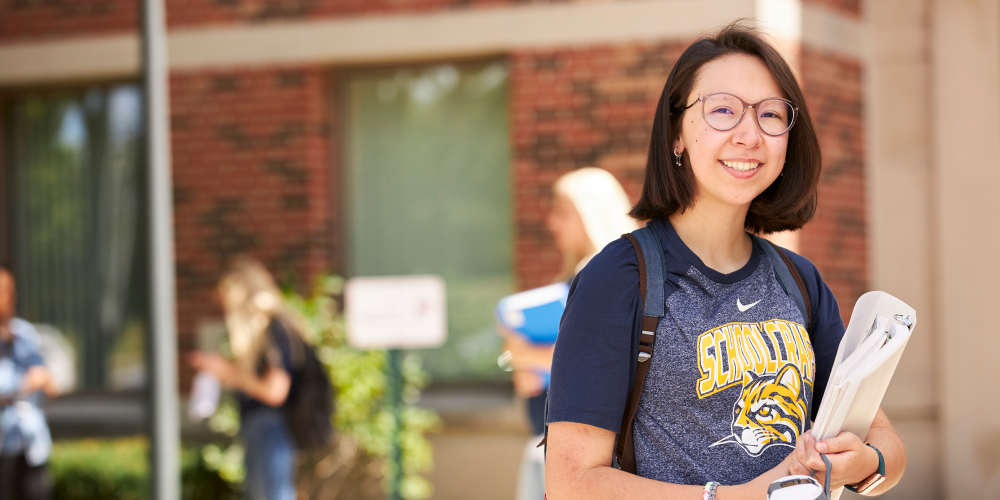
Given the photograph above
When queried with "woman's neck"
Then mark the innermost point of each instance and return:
(716, 234)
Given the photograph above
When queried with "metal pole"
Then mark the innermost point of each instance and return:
(162, 348)
(395, 385)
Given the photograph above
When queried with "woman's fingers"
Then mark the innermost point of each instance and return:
(808, 456)
(845, 441)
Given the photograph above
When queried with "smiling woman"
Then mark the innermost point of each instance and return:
(737, 368)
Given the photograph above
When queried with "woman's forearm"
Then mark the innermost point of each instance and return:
(606, 483)
(270, 389)
(576, 469)
(893, 452)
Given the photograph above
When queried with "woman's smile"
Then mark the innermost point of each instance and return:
(741, 169)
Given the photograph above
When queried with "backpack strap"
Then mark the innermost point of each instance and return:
(789, 278)
(651, 271)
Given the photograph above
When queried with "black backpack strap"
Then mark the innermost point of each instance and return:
(651, 272)
(789, 278)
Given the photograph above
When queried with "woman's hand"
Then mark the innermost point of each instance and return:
(852, 460)
(217, 365)
(524, 354)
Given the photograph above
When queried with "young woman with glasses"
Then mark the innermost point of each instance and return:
(737, 372)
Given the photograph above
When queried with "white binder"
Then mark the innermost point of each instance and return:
(857, 384)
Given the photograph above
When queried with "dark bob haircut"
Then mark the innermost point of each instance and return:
(790, 201)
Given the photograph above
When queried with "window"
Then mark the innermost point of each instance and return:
(428, 192)
(75, 229)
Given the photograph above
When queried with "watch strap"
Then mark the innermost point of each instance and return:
(876, 478)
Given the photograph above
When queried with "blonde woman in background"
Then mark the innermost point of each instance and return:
(261, 329)
(590, 211)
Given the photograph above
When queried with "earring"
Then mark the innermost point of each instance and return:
(677, 157)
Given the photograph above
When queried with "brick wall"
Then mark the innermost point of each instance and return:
(575, 108)
(22, 20)
(835, 239)
(251, 156)
(25, 20)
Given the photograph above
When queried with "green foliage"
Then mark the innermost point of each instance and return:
(363, 421)
(360, 380)
(92, 469)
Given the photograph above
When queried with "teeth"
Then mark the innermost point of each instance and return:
(740, 166)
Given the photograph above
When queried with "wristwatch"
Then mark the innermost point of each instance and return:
(871, 482)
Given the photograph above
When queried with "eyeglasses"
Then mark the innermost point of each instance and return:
(723, 112)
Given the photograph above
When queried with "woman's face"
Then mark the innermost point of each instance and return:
(734, 166)
(566, 226)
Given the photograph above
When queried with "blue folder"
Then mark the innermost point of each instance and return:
(535, 313)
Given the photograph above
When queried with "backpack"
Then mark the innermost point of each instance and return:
(652, 263)
(310, 405)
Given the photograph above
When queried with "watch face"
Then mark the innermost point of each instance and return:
(870, 483)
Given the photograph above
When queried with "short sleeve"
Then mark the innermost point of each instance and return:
(596, 349)
(28, 350)
(827, 325)
(280, 355)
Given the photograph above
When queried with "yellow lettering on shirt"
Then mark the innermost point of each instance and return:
(725, 353)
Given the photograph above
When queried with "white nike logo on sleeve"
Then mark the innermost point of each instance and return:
(743, 308)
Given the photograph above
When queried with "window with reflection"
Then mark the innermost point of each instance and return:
(76, 237)
(428, 192)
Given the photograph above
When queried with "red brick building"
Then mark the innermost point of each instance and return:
(266, 141)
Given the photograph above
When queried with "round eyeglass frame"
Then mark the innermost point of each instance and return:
(746, 105)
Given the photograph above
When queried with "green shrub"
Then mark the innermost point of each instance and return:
(100, 469)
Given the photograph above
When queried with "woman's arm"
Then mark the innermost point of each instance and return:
(853, 461)
(577, 467)
(271, 388)
(525, 355)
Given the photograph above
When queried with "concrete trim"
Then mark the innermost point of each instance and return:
(473, 32)
(75, 59)
(451, 34)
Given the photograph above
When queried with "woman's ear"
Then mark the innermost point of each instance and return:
(678, 146)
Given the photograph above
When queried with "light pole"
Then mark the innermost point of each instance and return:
(162, 347)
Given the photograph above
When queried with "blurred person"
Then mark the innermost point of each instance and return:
(262, 330)
(723, 412)
(590, 210)
(26, 442)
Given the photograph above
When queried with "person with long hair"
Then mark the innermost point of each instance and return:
(261, 329)
(590, 210)
(737, 372)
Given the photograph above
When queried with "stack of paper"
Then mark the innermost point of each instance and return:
(535, 313)
(869, 352)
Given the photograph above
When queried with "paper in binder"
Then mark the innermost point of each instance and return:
(876, 336)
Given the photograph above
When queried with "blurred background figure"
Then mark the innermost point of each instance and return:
(262, 334)
(26, 442)
(589, 212)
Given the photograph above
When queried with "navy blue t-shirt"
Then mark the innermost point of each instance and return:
(278, 355)
(735, 376)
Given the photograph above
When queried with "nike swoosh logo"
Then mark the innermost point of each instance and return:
(743, 308)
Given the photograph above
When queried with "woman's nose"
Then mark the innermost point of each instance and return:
(747, 133)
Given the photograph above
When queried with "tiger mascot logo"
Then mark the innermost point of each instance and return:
(771, 411)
